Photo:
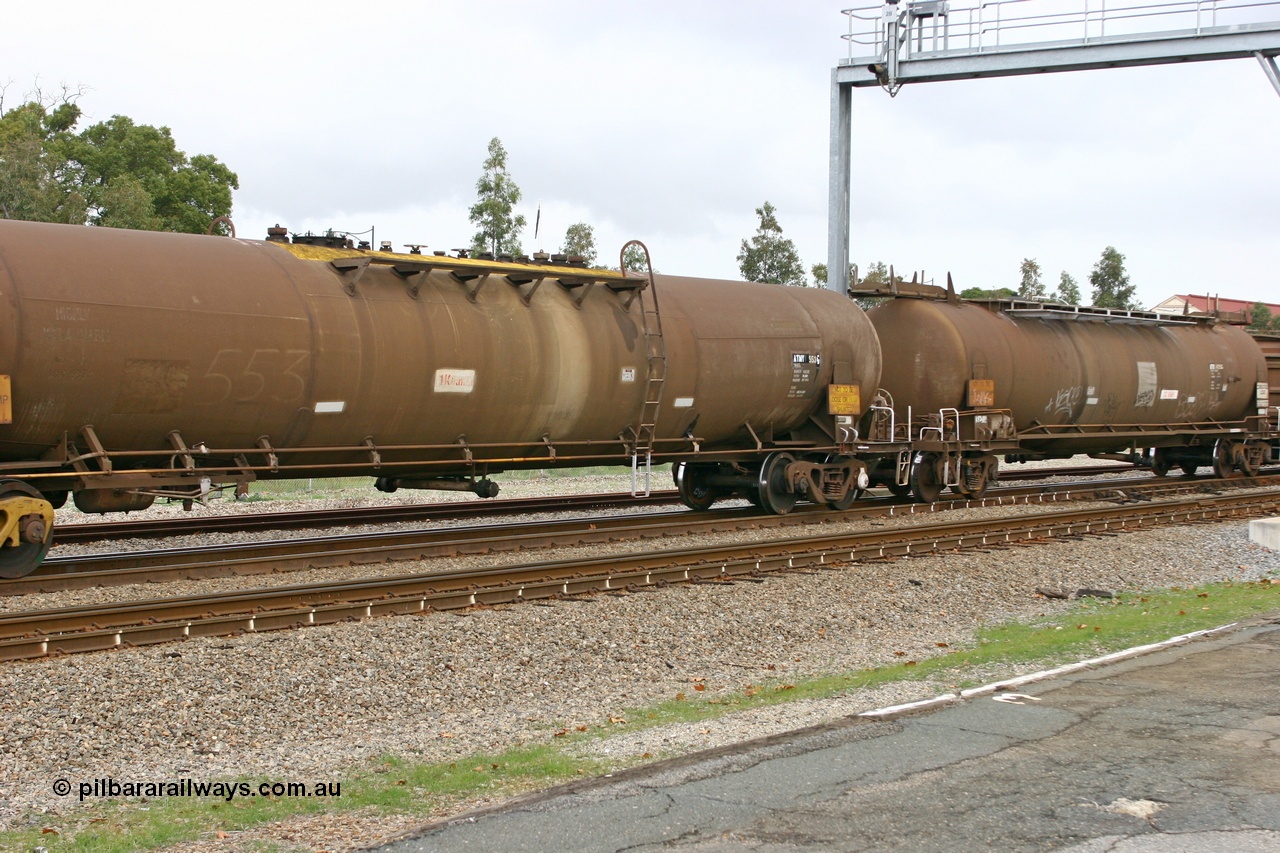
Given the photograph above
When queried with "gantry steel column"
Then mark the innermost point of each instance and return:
(840, 175)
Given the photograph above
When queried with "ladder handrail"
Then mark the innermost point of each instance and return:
(655, 372)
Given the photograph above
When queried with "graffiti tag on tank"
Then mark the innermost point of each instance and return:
(1110, 406)
(1064, 402)
(1190, 408)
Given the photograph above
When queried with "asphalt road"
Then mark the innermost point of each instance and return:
(1173, 751)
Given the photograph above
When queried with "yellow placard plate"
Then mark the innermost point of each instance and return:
(844, 400)
(982, 393)
(6, 401)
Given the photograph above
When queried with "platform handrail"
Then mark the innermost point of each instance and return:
(985, 26)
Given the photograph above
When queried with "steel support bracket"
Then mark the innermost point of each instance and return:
(350, 269)
(522, 280)
(465, 277)
(408, 273)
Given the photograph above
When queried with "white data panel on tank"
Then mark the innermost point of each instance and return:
(450, 381)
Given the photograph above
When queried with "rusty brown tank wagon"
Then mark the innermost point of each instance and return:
(153, 364)
(971, 381)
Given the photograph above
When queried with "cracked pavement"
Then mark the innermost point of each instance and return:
(1174, 751)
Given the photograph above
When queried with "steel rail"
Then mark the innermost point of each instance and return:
(352, 516)
(276, 556)
(234, 559)
(97, 627)
(94, 531)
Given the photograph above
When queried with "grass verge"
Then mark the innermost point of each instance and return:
(397, 786)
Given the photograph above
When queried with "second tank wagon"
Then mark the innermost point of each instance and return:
(1170, 391)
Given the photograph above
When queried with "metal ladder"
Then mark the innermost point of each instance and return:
(656, 356)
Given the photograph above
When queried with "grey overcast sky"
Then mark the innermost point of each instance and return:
(671, 121)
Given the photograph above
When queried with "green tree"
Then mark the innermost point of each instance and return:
(979, 293)
(1260, 317)
(37, 181)
(819, 273)
(115, 173)
(580, 239)
(134, 176)
(769, 257)
(1068, 290)
(1031, 286)
(493, 212)
(1110, 282)
(878, 275)
(635, 261)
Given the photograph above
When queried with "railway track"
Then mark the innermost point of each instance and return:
(69, 630)
(268, 557)
(155, 528)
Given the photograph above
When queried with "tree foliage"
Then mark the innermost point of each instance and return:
(37, 181)
(980, 293)
(769, 257)
(493, 213)
(1031, 287)
(635, 260)
(114, 173)
(1068, 290)
(878, 275)
(580, 239)
(1110, 282)
(1260, 317)
(819, 273)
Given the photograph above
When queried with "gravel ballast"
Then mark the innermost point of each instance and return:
(309, 705)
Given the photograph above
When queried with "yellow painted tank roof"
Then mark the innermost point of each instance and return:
(324, 253)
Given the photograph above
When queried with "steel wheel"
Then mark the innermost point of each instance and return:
(1159, 463)
(1189, 468)
(22, 559)
(924, 480)
(690, 482)
(898, 491)
(775, 496)
(1223, 465)
(847, 501)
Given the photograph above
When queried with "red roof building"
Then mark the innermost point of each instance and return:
(1189, 304)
